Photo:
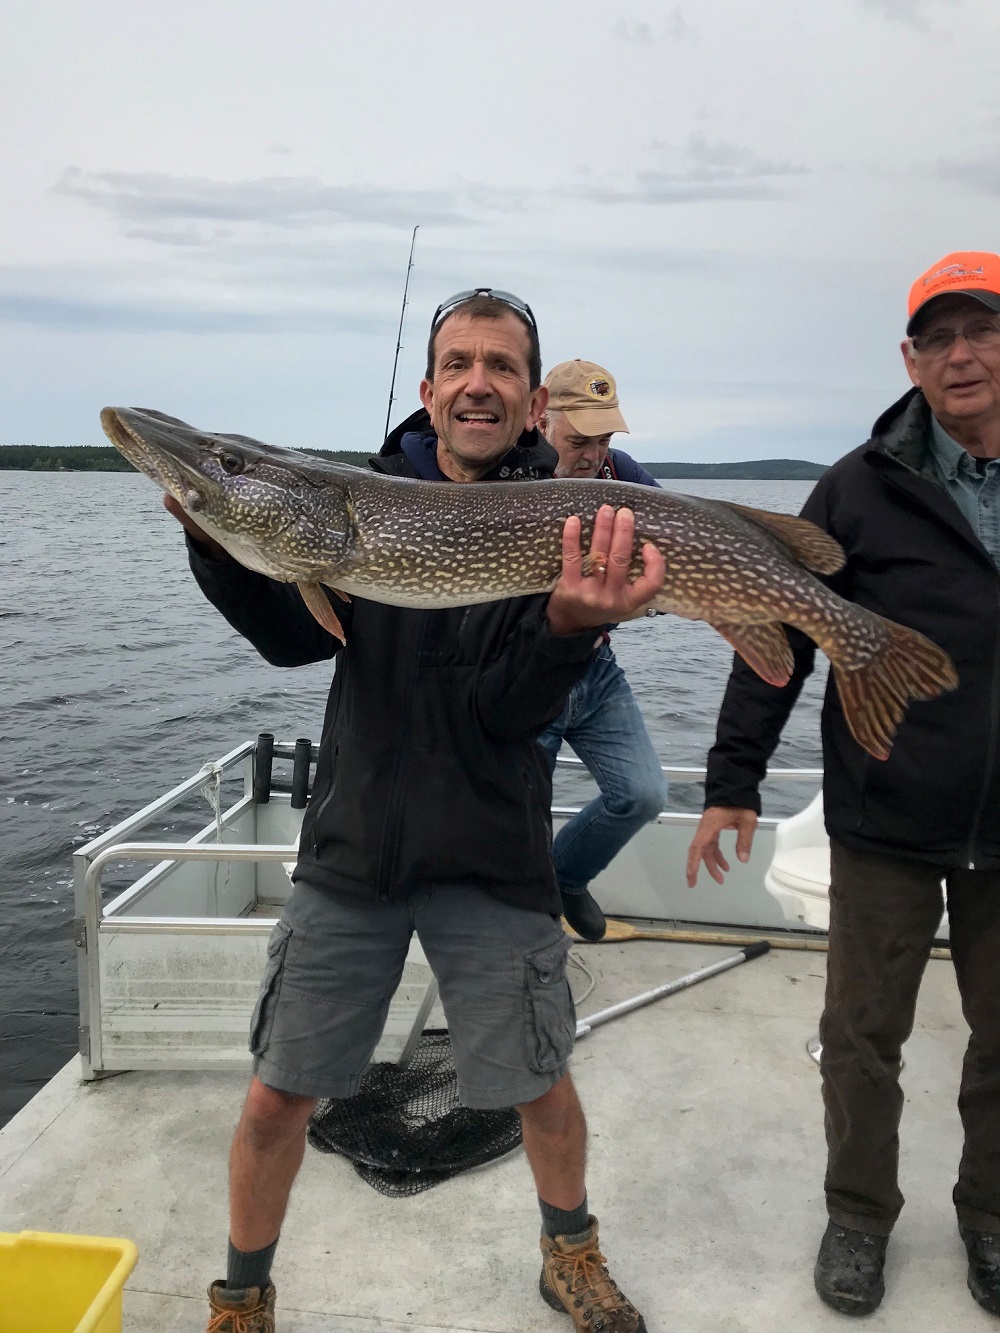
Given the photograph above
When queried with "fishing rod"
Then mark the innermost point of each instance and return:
(399, 335)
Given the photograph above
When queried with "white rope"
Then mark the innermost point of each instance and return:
(212, 792)
(577, 961)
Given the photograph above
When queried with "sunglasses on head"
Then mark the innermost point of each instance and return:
(506, 298)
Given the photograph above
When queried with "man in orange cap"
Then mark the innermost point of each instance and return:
(917, 511)
(601, 720)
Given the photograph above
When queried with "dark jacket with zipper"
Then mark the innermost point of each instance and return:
(911, 556)
(428, 769)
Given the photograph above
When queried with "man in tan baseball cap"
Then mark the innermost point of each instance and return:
(601, 720)
(580, 419)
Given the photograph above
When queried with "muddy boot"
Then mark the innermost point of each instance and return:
(575, 1279)
(984, 1267)
(246, 1311)
(848, 1272)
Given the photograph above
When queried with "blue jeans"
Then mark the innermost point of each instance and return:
(602, 723)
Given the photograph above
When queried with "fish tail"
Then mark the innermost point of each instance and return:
(874, 696)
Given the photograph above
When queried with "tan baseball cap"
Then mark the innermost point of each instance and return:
(588, 395)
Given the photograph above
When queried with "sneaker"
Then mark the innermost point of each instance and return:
(575, 1279)
(584, 916)
(249, 1310)
(848, 1273)
(984, 1267)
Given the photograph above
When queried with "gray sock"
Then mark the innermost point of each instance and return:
(249, 1270)
(562, 1221)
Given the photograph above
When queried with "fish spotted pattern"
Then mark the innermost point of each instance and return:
(320, 524)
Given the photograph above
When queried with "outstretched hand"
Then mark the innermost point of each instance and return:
(213, 548)
(705, 843)
(594, 588)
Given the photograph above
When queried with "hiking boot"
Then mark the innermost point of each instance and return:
(848, 1273)
(575, 1279)
(584, 915)
(984, 1267)
(246, 1310)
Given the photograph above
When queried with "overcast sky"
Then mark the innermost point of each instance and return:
(207, 208)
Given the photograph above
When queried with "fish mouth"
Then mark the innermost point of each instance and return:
(178, 476)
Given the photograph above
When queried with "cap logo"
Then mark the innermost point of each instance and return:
(955, 271)
(599, 388)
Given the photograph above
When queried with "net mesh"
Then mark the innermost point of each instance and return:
(404, 1129)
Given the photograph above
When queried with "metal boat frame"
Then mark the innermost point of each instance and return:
(169, 968)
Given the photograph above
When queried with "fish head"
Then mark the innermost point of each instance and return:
(284, 513)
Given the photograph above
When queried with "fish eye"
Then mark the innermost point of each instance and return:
(231, 463)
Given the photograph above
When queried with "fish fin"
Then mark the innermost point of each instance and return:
(874, 696)
(344, 596)
(764, 647)
(810, 545)
(319, 604)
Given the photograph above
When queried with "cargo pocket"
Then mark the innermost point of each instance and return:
(550, 1016)
(270, 987)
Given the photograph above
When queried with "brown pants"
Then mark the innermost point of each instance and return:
(884, 913)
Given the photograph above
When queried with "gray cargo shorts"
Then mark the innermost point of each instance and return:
(334, 962)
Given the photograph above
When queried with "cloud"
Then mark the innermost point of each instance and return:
(184, 235)
(909, 12)
(639, 34)
(133, 315)
(675, 27)
(277, 201)
(981, 177)
(645, 260)
(702, 171)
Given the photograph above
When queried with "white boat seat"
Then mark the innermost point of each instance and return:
(804, 870)
(798, 877)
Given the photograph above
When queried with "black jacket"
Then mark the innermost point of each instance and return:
(911, 556)
(428, 769)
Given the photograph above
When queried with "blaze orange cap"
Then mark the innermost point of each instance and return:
(964, 273)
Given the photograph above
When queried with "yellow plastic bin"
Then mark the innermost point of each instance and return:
(62, 1284)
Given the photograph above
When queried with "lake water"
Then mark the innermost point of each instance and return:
(118, 680)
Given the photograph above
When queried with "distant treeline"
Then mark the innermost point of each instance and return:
(95, 458)
(761, 469)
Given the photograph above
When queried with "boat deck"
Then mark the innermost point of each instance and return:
(706, 1167)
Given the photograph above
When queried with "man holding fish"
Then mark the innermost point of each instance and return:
(430, 812)
(917, 510)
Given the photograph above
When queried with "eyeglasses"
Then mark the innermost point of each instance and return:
(507, 298)
(983, 334)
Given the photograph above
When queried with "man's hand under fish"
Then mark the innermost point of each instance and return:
(594, 587)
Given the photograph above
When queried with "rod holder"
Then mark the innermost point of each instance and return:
(263, 757)
(300, 773)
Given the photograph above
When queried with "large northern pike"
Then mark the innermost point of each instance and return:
(313, 522)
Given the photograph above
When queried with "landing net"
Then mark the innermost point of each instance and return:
(405, 1130)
